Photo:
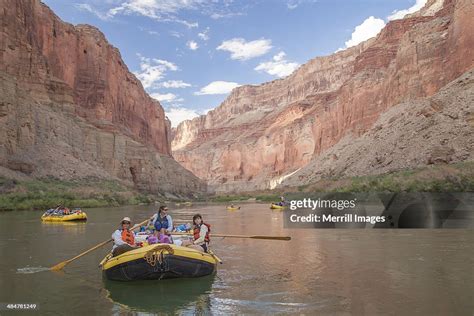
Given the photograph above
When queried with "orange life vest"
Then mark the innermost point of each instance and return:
(128, 237)
(197, 230)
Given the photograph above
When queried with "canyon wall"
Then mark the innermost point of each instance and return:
(261, 135)
(70, 108)
(421, 132)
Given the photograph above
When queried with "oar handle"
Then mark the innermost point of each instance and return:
(285, 238)
(89, 250)
(61, 265)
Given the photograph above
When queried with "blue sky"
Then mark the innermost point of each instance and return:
(190, 53)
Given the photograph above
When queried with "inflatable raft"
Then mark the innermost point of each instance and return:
(78, 216)
(276, 207)
(158, 261)
(233, 208)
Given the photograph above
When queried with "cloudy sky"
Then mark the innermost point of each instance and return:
(189, 54)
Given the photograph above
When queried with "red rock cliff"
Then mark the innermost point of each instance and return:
(261, 134)
(37, 44)
(69, 107)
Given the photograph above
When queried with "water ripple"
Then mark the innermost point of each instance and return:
(29, 270)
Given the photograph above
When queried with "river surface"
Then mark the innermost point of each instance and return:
(320, 271)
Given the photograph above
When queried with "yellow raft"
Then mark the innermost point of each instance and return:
(233, 208)
(79, 216)
(184, 204)
(274, 206)
(157, 262)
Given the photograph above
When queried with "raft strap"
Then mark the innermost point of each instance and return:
(155, 255)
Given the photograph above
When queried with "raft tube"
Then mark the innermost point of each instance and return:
(157, 262)
(276, 207)
(82, 216)
(233, 208)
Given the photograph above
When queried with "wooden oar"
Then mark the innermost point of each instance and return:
(61, 265)
(214, 256)
(286, 238)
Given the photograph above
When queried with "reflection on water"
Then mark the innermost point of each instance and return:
(333, 271)
(167, 296)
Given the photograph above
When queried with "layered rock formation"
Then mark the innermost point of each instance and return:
(425, 131)
(261, 135)
(70, 108)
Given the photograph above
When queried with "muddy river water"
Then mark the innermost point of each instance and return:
(320, 271)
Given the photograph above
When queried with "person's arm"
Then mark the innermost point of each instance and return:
(117, 237)
(202, 235)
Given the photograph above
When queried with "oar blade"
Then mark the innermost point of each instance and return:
(59, 266)
(285, 238)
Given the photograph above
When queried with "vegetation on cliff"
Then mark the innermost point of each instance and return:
(458, 177)
(45, 193)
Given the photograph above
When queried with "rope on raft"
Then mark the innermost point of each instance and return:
(155, 255)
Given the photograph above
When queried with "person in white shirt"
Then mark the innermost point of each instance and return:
(200, 235)
(124, 238)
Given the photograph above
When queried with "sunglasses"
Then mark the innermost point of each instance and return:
(126, 223)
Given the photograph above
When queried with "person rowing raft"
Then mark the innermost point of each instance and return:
(200, 235)
(163, 224)
(124, 238)
(162, 221)
(282, 201)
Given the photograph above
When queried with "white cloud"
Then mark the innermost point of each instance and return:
(192, 45)
(166, 10)
(240, 49)
(155, 9)
(176, 34)
(190, 25)
(175, 84)
(278, 66)
(372, 26)
(217, 87)
(153, 70)
(399, 14)
(177, 114)
(88, 8)
(166, 97)
(204, 112)
(160, 10)
(204, 35)
(224, 15)
(167, 64)
(369, 28)
(293, 4)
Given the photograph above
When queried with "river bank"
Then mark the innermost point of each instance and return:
(458, 177)
(41, 194)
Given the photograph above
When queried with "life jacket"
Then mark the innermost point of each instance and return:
(128, 237)
(197, 230)
(163, 222)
